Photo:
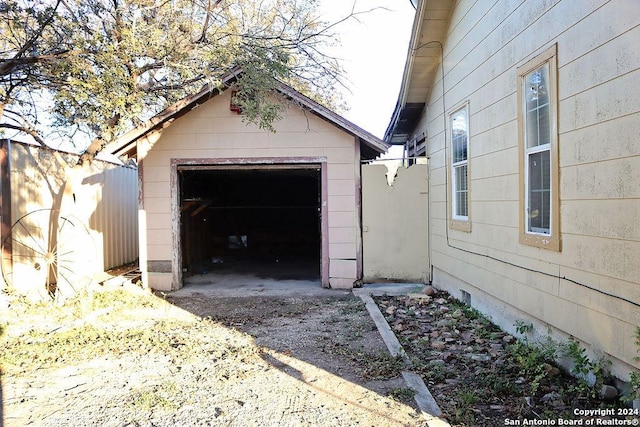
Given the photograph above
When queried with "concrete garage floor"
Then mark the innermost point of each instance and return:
(245, 278)
(284, 278)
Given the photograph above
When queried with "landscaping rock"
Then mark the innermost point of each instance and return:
(608, 392)
(477, 375)
(479, 357)
(509, 339)
(438, 345)
(429, 290)
(419, 298)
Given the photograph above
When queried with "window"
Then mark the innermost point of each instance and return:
(539, 202)
(459, 124)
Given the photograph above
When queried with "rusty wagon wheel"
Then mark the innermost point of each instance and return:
(49, 253)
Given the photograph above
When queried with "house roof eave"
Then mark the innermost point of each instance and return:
(423, 57)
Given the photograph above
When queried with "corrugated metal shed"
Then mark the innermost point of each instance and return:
(94, 208)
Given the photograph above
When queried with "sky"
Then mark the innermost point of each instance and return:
(374, 52)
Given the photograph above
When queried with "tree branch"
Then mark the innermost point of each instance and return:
(29, 44)
(28, 130)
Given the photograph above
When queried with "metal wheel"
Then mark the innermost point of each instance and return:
(48, 253)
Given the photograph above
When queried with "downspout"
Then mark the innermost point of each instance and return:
(444, 118)
(359, 238)
(429, 245)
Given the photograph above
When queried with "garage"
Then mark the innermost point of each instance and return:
(260, 220)
(218, 194)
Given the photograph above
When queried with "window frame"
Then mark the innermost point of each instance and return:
(459, 222)
(552, 239)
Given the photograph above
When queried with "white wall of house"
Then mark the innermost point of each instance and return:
(598, 70)
(212, 131)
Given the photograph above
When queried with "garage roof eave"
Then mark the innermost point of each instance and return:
(373, 144)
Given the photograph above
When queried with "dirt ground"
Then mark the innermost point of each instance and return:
(125, 357)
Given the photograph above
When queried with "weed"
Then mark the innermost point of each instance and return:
(433, 373)
(464, 413)
(590, 374)
(497, 384)
(473, 313)
(578, 355)
(468, 397)
(464, 417)
(532, 364)
(582, 368)
(382, 366)
(422, 342)
(522, 327)
(402, 394)
(487, 332)
(549, 347)
(633, 390)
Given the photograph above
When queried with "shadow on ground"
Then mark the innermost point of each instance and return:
(328, 332)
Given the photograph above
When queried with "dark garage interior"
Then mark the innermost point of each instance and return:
(261, 220)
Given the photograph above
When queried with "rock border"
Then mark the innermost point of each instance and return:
(423, 397)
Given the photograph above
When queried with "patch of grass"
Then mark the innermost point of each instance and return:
(352, 306)
(52, 336)
(379, 366)
(80, 343)
(157, 397)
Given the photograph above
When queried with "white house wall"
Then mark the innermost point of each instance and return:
(212, 131)
(598, 54)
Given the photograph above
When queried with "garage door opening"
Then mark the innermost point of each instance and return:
(262, 221)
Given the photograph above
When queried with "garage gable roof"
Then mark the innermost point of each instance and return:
(370, 145)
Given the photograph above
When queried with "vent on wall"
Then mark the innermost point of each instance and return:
(232, 105)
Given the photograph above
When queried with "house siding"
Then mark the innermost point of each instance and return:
(598, 54)
(212, 131)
